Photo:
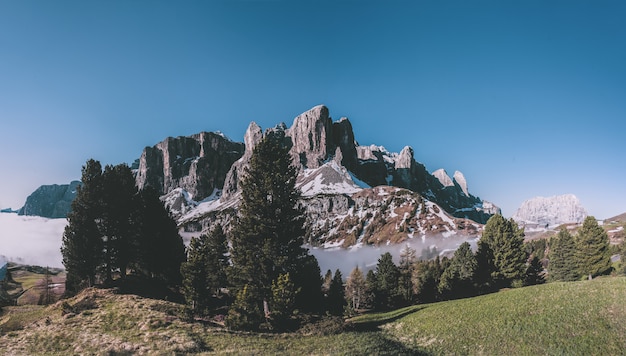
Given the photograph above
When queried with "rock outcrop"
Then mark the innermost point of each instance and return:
(51, 201)
(551, 211)
(198, 164)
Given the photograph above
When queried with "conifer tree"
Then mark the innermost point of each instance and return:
(387, 275)
(82, 245)
(116, 224)
(246, 312)
(161, 249)
(268, 235)
(534, 272)
(563, 263)
(336, 299)
(457, 281)
(594, 258)
(501, 255)
(406, 267)
(194, 272)
(356, 289)
(283, 302)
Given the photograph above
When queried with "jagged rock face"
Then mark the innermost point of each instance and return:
(459, 179)
(311, 135)
(443, 177)
(253, 135)
(198, 164)
(555, 210)
(51, 201)
(343, 138)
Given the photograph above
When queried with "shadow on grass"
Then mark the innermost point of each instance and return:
(373, 322)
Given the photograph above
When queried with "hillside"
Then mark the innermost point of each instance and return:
(558, 318)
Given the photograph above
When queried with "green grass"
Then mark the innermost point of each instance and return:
(587, 317)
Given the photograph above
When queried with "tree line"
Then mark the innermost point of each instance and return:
(258, 274)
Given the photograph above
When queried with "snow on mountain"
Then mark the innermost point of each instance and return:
(555, 210)
(330, 178)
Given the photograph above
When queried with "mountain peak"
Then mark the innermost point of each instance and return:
(554, 210)
(443, 177)
(459, 178)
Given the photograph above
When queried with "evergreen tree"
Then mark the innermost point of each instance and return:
(406, 266)
(194, 271)
(370, 287)
(245, 312)
(336, 299)
(501, 255)
(116, 224)
(161, 249)
(82, 245)
(328, 279)
(594, 258)
(563, 263)
(268, 235)
(457, 281)
(356, 289)
(387, 276)
(534, 272)
(426, 278)
(283, 302)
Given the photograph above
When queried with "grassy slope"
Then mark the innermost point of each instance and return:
(587, 317)
(559, 318)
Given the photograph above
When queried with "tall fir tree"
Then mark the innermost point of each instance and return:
(562, 265)
(246, 312)
(283, 301)
(161, 249)
(116, 224)
(387, 288)
(457, 281)
(594, 258)
(501, 255)
(267, 237)
(534, 272)
(406, 267)
(194, 271)
(336, 299)
(81, 247)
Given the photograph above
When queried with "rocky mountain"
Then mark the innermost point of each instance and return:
(352, 194)
(550, 211)
(50, 201)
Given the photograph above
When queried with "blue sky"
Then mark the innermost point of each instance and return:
(526, 98)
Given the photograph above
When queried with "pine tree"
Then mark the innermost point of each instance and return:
(194, 272)
(245, 312)
(283, 302)
(593, 255)
(501, 255)
(267, 237)
(336, 299)
(356, 289)
(387, 275)
(82, 245)
(457, 281)
(116, 223)
(563, 263)
(406, 266)
(161, 249)
(534, 272)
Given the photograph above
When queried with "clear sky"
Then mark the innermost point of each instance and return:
(526, 98)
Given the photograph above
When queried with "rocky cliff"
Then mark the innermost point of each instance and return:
(198, 164)
(551, 211)
(344, 185)
(50, 201)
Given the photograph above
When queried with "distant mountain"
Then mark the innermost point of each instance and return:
(50, 201)
(348, 189)
(555, 210)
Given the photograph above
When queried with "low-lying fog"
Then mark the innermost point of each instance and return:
(37, 241)
(31, 239)
(366, 257)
